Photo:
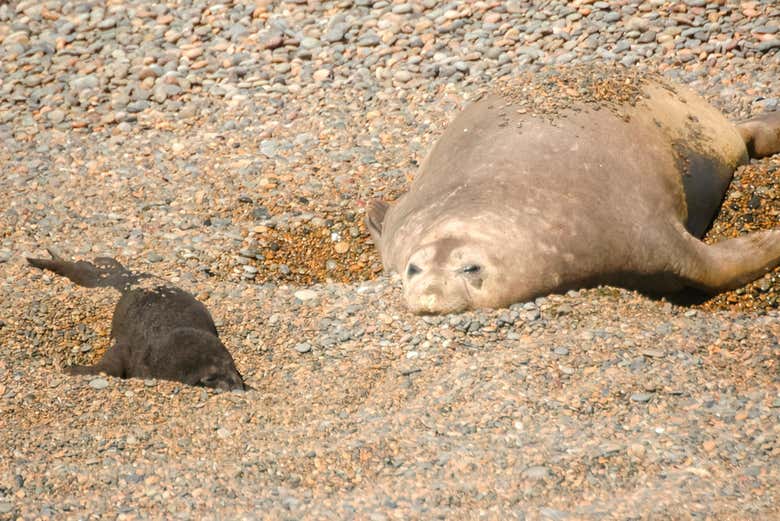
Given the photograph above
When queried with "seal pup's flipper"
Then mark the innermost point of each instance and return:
(104, 272)
(761, 134)
(375, 217)
(113, 363)
(728, 264)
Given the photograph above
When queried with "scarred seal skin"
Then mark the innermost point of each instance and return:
(157, 331)
(574, 178)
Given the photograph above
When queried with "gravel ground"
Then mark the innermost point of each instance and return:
(230, 148)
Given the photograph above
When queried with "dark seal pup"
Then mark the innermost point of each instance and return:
(158, 331)
(570, 178)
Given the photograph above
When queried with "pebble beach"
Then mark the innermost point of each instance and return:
(230, 148)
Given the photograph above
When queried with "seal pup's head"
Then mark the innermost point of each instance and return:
(199, 358)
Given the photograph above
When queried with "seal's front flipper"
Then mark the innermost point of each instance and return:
(113, 363)
(106, 272)
(729, 264)
(761, 134)
(375, 217)
(75, 370)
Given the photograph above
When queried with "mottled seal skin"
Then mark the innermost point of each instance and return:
(158, 331)
(510, 205)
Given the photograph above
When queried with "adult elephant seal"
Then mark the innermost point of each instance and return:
(572, 178)
(158, 331)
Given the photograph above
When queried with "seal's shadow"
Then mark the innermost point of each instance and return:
(687, 297)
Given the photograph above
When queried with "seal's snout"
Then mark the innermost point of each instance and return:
(428, 301)
(433, 295)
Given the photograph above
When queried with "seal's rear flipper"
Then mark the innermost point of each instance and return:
(761, 134)
(729, 264)
(105, 272)
(375, 216)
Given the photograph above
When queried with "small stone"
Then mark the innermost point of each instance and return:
(532, 315)
(6, 508)
(154, 257)
(305, 294)
(84, 83)
(402, 9)
(98, 383)
(137, 106)
(310, 43)
(653, 353)
(402, 76)
(641, 397)
(334, 34)
(636, 450)
(538, 472)
(321, 75)
(562, 351)
(304, 347)
(554, 514)
(56, 116)
(608, 450)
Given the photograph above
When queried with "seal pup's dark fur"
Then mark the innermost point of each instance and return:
(158, 331)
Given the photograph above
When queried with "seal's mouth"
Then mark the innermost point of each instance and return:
(437, 296)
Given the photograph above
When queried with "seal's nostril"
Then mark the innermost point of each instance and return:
(472, 268)
(412, 270)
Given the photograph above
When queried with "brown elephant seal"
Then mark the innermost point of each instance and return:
(158, 331)
(572, 178)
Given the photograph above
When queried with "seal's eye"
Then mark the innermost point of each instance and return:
(472, 269)
(412, 270)
(209, 381)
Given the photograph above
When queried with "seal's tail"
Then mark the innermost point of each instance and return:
(761, 134)
(104, 272)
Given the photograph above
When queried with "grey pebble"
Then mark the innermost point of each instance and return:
(310, 43)
(768, 45)
(304, 347)
(98, 383)
(537, 472)
(641, 397)
(138, 106)
(334, 34)
(154, 257)
(85, 82)
(56, 116)
(554, 514)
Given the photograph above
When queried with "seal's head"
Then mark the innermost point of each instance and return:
(450, 275)
(451, 261)
(196, 357)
